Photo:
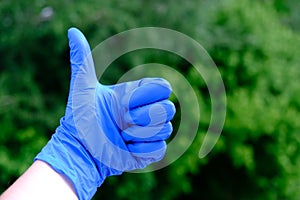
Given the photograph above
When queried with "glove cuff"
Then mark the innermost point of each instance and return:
(67, 156)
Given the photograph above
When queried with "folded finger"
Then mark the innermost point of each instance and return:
(151, 115)
(151, 152)
(149, 91)
(147, 134)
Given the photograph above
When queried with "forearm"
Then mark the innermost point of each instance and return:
(40, 181)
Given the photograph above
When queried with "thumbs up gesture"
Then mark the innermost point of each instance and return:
(107, 130)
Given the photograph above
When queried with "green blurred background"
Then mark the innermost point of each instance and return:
(254, 43)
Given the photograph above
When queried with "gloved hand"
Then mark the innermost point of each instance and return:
(107, 130)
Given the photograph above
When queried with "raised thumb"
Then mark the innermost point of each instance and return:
(82, 65)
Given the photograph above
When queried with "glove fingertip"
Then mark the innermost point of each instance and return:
(78, 42)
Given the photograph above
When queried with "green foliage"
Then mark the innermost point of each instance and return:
(255, 45)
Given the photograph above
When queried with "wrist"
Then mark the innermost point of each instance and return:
(67, 156)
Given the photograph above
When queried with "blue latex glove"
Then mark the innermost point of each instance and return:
(107, 130)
